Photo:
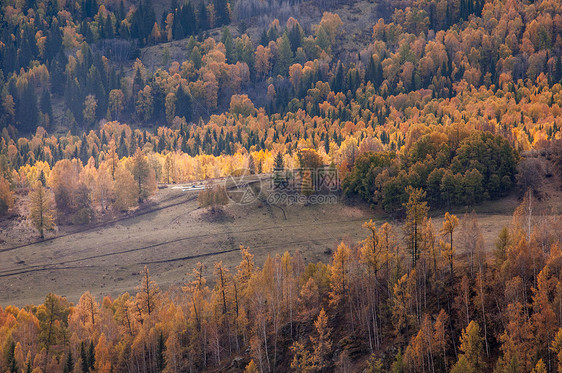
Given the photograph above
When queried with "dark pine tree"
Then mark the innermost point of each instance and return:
(203, 17)
(264, 40)
(108, 28)
(26, 109)
(142, 21)
(84, 359)
(89, 8)
(558, 72)
(46, 107)
(91, 356)
(371, 71)
(222, 14)
(338, 83)
(177, 28)
(184, 104)
(160, 354)
(54, 41)
(28, 49)
(10, 354)
(188, 20)
(296, 36)
(226, 39)
(69, 365)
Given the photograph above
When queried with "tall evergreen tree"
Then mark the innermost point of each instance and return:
(142, 21)
(91, 356)
(160, 354)
(177, 28)
(10, 357)
(84, 359)
(56, 70)
(69, 364)
(285, 57)
(222, 13)
(338, 83)
(46, 107)
(183, 104)
(188, 19)
(226, 39)
(202, 17)
(26, 109)
(296, 36)
(54, 40)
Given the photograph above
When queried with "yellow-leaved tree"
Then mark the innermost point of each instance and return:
(302, 361)
(213, 196)
(6, 196)
(416, 212)
(41, 211)
(450, 223)
(144, 176)
(124, 189)
(251, 367)
(471, 358)
(148, 296)
(322, 342)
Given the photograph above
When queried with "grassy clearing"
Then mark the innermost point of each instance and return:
(171, 234)
(107, 259)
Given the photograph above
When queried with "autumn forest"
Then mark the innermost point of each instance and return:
(438, 116)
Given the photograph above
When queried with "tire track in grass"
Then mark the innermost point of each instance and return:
(162, 261)
(22, 272)
(188, 257)
(43, 267)
(102, 224)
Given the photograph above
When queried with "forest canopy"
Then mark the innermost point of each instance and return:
(431, 104)
(452, 170)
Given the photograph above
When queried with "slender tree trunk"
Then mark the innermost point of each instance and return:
(484, 313)
(265, 346)
(41, 218)
(140, 199)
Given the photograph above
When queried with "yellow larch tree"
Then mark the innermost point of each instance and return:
(321, 341)
(41, 211)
